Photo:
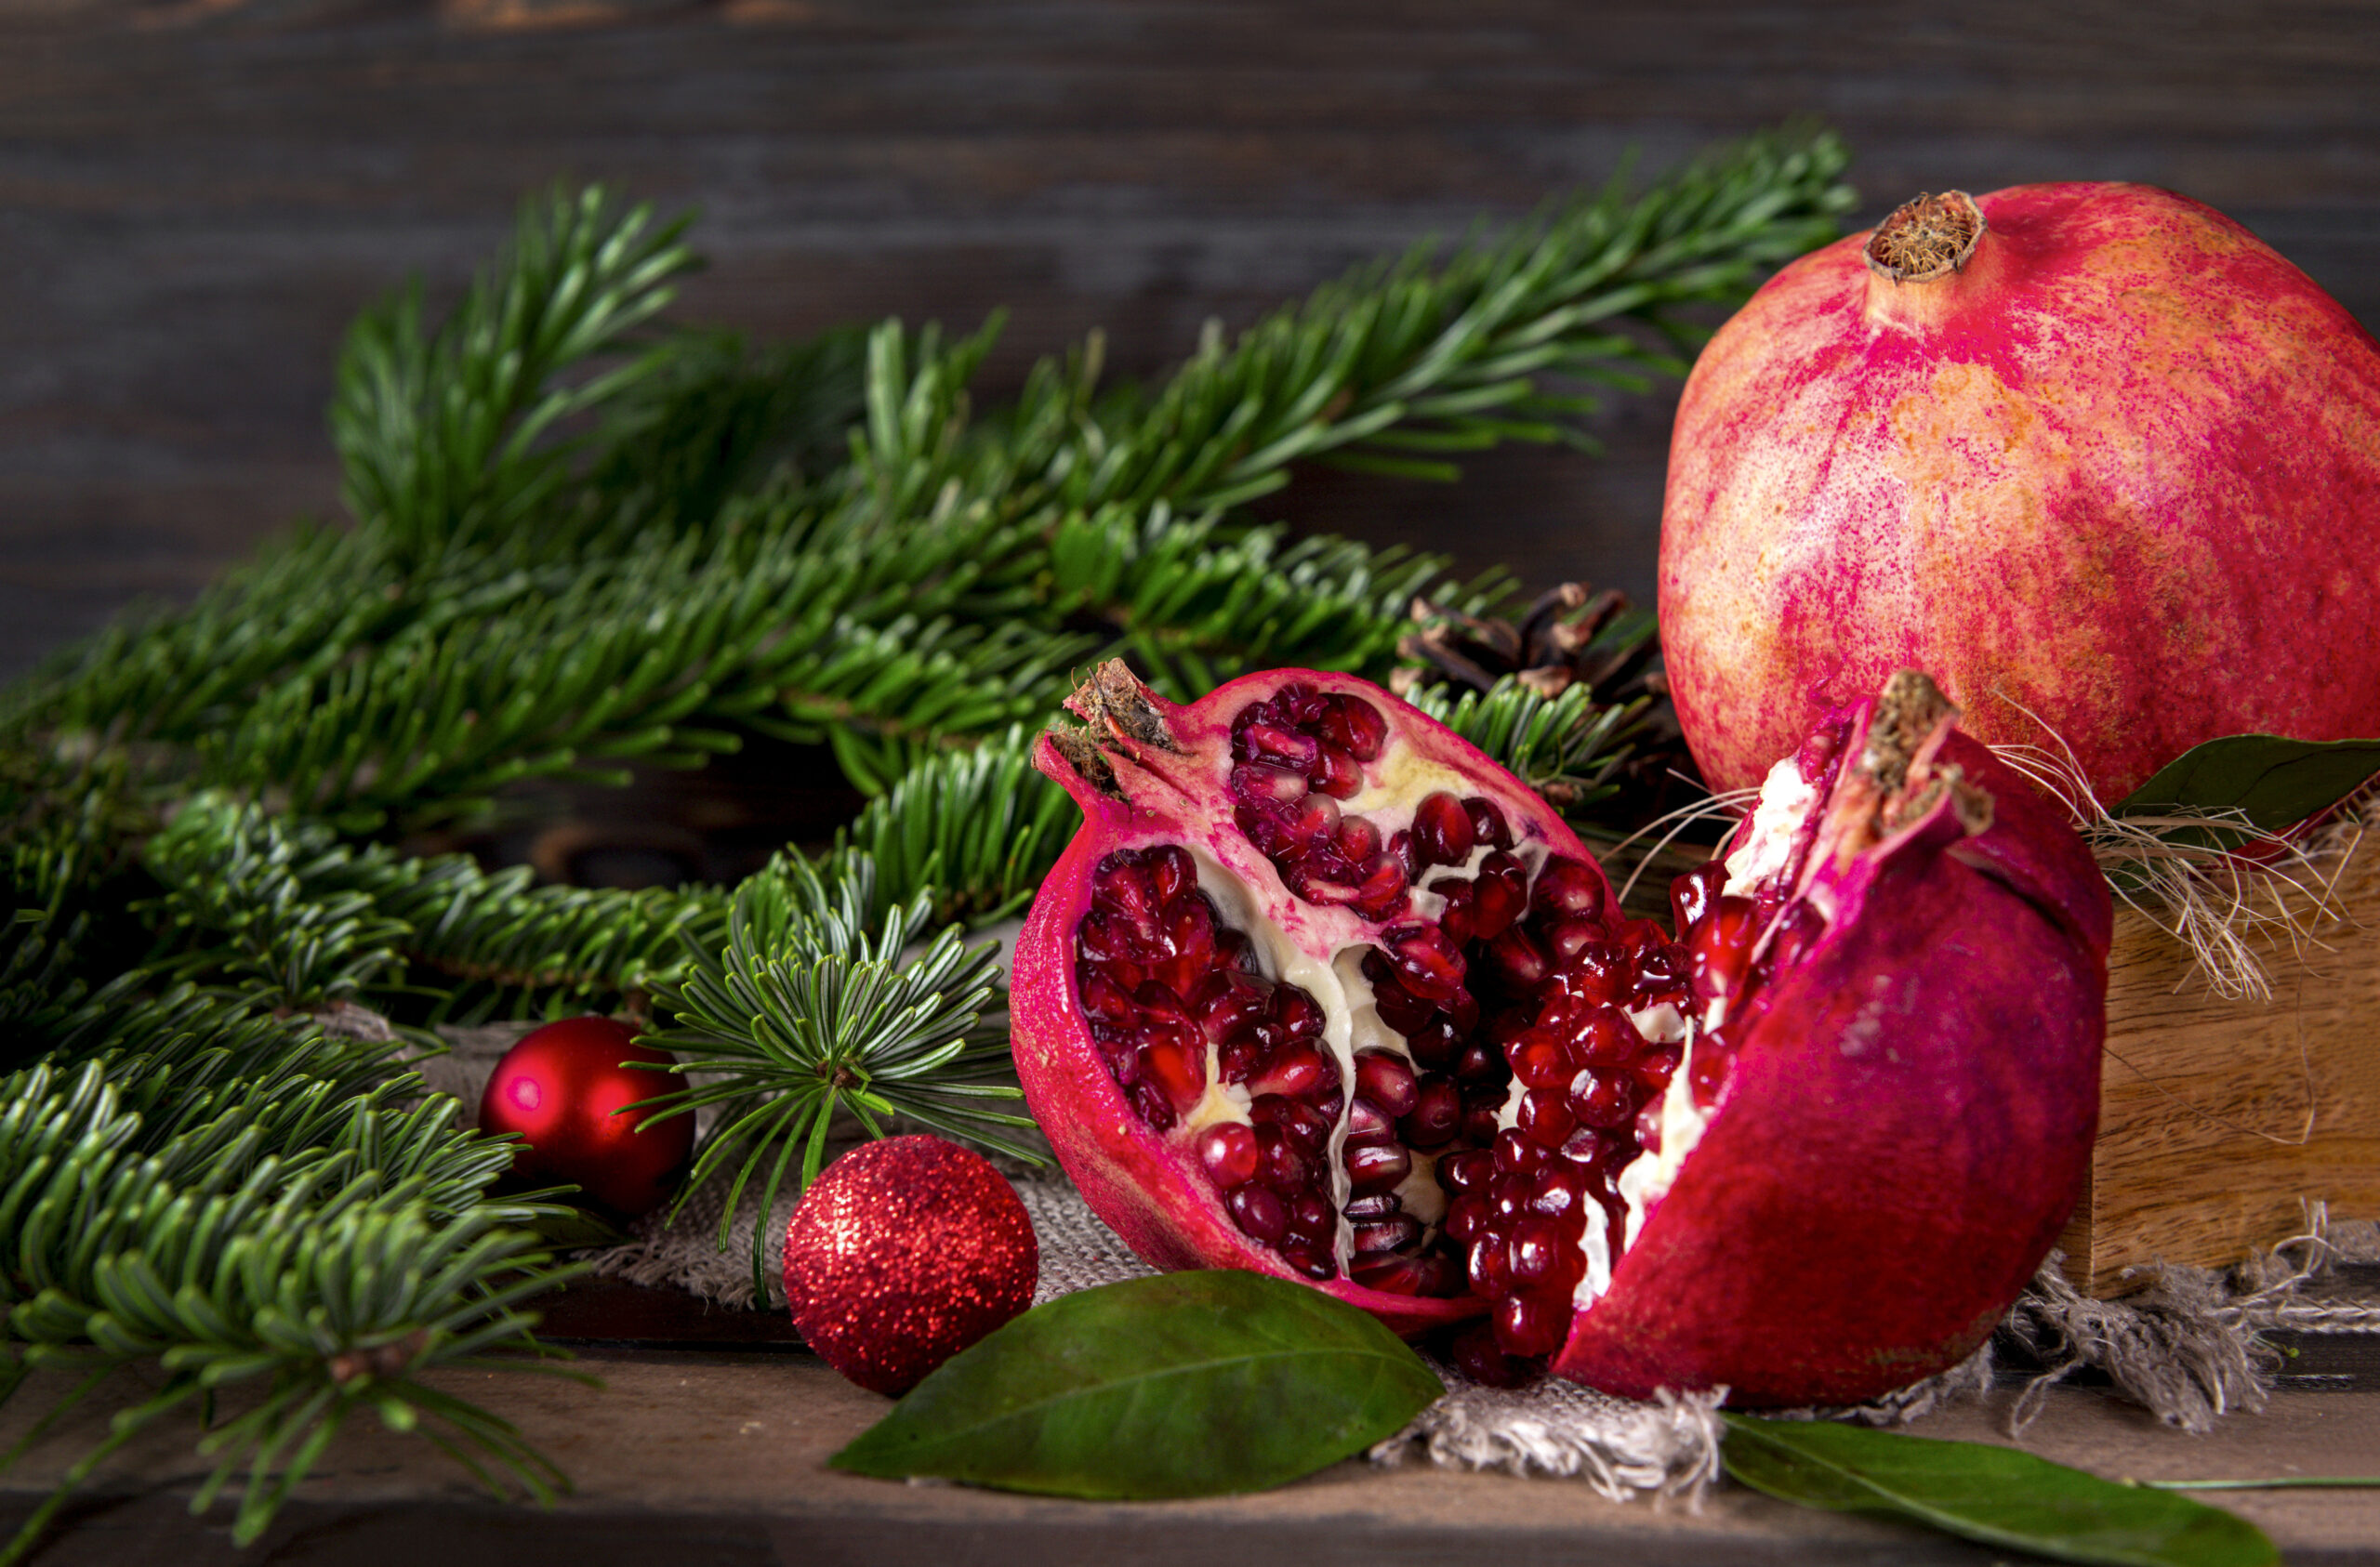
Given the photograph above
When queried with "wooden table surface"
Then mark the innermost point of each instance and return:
(716, 1457)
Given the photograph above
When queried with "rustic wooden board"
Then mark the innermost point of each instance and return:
(2221, 1121)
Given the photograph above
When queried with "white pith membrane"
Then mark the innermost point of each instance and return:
(1568, 1169)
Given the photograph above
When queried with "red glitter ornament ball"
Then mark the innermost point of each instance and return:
(904, 1253)
(561, 1089)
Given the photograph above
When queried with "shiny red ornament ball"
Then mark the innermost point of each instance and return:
(561, 1089)
(904, 1253)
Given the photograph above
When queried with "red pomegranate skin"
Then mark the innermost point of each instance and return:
(2120, 469)
(1157, 1203)
(1905, 1129)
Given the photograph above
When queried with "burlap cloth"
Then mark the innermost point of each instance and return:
(2186, 1346)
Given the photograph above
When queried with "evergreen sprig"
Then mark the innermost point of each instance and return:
(805, 1013)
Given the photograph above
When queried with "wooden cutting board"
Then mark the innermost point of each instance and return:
(2221, 1121)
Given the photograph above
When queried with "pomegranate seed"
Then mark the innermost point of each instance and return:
(1462, 1009)
(1509, 1195)
(1227, 1153)
(1542, 1060)
(1430, 965)
(1357, 841)
(1607, 1038)
(1518, 959)
(1545, 1117)
(1476, 1355)
(1280, 1167)
(1376, 1167)
(1353, 725)
(1335, 773)
(1479, 1118)
(1381, 895)
(1283, 748)
(1598, 971)
(1300, 703)
(1388, 1234)
(1400, 843)
(1519, 1154)
(1648, 1128)
(1430, 1273)
(1295, 1070)
(1298, 1015)
(1718, 948)
(1570, 887)
(1368, 1123)
(1235, 951)
(1481, 1064)
(1380, 1204)
(1533, 1252)
(1177, 1067)
(1561, 1189)
(1605, 1099)
(1387, 1080)
(1310, 1217)
(1656, 1067)
(1261, 785)
(1122, 884)
(1661, 970)
(1459, 919)
(1310, 1261)
(1442, 830)
(1149, 1102)
(1437, 1114)
(1238, 1058)
(1104, 1001)
(1467, 1218)
(1469, 1171)
(1258, 1213)
(1503, 893)
(1486, 1263)
(1713, 1056)
(1532, 1324)
(1692, 894)
(1566, 939)
(1399, 1007)
(1435, 1043)
(1227, 1001)
(1297, 1120)
(1586, 1147)
(1488, 823)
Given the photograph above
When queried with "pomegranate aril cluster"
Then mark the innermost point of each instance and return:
(1294, 758)
(1165, 986)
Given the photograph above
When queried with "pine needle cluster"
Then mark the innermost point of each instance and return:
(580, 538)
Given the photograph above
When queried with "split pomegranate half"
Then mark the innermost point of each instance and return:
(1320, 990)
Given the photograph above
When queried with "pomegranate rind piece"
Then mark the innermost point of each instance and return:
(1151, 772)
(1906, 1128)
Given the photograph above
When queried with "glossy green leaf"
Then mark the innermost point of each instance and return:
(1183, 1385)
(2275, 781)
(1997, 1495)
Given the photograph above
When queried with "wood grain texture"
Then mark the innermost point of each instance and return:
(196, 195)
(2221, 1121)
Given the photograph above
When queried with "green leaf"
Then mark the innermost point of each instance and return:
(1997, 1495)
(2275, 781)
(1185, 1385)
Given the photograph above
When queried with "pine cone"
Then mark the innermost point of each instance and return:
(1570, 635)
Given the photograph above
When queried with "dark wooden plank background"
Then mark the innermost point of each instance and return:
(195, 197)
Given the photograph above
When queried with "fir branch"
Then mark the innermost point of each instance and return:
(1568, 748)
(973, 831)
(804, 1014)
(453, 439)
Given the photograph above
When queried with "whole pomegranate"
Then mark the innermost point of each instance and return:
(2093, 451)
(1320, 992)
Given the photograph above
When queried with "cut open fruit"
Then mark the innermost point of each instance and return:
(1321, 991)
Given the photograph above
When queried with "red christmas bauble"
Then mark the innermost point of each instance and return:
(563, 1088)
(904, 1253)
